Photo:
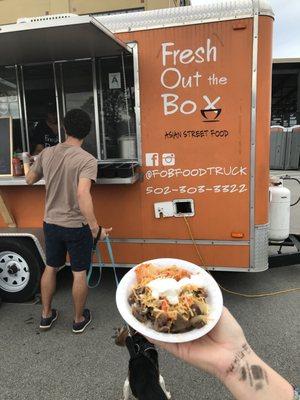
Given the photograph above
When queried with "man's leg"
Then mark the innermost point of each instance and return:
(48, 285)
(79, 292)
(56, 257)
(79, 247)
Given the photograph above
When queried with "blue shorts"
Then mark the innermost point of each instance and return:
(77, 242)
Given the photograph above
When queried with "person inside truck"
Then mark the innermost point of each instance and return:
(225, 353)
(45, 134)
(70, 225)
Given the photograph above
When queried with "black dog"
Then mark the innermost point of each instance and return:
(143, 379)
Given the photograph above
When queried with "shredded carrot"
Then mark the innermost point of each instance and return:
(165, 305)
(148, 272)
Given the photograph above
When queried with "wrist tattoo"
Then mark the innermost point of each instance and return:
(253, 374)
(235, 365)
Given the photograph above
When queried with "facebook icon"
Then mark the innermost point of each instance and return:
(152, 159)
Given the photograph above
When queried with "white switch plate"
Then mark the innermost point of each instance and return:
(164, 209)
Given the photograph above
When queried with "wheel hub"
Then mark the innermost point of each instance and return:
(14, 272)
(12, 268)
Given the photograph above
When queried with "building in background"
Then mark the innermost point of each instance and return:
(11, 10)
(286, 92)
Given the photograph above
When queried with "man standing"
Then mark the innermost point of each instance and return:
(45, 134)
(69, 223)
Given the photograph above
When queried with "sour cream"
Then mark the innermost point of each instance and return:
(170, 288)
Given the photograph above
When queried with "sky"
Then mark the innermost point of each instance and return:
(286, 42)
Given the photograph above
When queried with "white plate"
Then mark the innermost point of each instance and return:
(214, 300)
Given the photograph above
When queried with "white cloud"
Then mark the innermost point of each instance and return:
(286, 42)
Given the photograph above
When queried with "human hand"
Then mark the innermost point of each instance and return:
(105, 232)
(95, 230)
(215, 351)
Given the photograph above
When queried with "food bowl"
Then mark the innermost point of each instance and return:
(212, 114)
(214, 300)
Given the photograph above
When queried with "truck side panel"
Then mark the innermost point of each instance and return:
(195, 87)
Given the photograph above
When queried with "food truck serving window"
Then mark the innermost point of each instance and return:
(43, 85)
(117, 100)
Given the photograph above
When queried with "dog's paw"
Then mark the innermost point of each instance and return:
(163, 386)
(126, 390)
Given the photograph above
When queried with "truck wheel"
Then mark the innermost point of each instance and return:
(20, 270)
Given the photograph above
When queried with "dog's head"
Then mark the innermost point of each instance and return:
(135, 342)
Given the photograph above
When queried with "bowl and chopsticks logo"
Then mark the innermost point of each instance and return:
(210, 113)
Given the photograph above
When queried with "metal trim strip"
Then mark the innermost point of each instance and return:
(20, 108)
(159, 241)
(57, 102)
(103, 154)
(25, 109)
(137, 106)
(96, 109)
(181, 241)
(253, 131)
(216, 268)
(63, 98)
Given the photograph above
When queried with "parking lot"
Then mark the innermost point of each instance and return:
(59, 365)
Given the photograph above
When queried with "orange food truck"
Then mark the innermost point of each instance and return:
(180, 104)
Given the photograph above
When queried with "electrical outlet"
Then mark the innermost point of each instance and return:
(184, 208)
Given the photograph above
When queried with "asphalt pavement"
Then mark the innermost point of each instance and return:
(58, 365)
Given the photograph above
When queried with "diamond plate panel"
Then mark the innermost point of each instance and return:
(261, 243)
(209, 10)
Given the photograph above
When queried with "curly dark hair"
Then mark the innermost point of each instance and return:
(77, 123)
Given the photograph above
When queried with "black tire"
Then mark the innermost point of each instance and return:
(27, 251)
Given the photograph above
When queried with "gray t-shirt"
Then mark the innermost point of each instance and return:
(62, 166)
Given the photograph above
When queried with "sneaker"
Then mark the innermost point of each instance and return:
(46, 323)
(79, 327)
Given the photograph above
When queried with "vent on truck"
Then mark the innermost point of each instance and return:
(45, 18)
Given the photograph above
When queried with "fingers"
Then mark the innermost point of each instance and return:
(105, 232)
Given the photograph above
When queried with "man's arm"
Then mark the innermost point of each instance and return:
(32, 177)
(87, 175)
(85, 203)
(36, 171)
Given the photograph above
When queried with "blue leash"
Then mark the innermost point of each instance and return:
(100, 265)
